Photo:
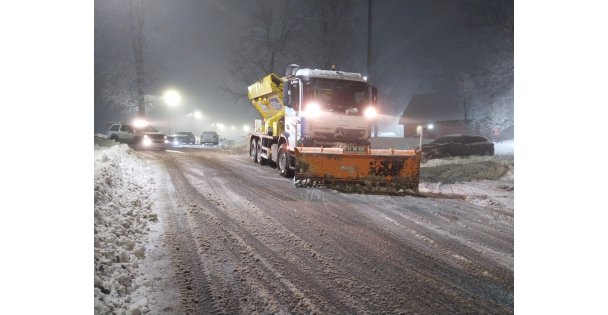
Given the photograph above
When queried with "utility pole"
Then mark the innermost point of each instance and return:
(369, 54)
(369, 38)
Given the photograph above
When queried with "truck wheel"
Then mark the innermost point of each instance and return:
(259, 159)
(253, 150)
(283, 162)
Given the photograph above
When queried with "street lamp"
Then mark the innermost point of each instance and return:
(172, 99)
(420, 129)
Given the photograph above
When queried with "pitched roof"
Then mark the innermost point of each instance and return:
(432, 108)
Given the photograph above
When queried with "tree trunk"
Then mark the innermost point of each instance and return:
(272, 61)
(137, 35)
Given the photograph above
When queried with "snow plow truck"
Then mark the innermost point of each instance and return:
(316, 126)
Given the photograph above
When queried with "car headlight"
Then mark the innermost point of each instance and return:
(370, 112)
(147, 140)
(312, 110)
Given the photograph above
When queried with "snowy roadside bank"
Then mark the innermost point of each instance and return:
(122, 219)
(482, 180)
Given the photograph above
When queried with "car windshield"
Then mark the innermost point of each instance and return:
(337, 95)
(212, 133)
(184, 134)
(146, 129)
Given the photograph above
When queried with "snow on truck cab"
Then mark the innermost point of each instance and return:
(316, 125)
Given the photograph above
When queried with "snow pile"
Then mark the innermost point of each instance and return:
(461, 160)
(460, 169)
(123, 184)
(497, 194)
(101, 141)
(482, 180)
(504, 147)
(452, 173)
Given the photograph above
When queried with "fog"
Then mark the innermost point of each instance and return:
(189, 46)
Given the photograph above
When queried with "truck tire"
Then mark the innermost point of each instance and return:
(253, 150)
(283, 162)
(259, 159)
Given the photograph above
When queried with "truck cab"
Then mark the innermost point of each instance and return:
(312, 107)
(334, 108)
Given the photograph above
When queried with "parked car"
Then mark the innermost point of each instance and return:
(138, 136)
(181, 137)
(210, 137)
(458, 145)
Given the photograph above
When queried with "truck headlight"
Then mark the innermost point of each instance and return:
(370, 112)
(312, 110)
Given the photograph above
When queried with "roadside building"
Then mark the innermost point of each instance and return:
(442, 113)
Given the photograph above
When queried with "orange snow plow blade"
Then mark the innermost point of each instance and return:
(359, 169)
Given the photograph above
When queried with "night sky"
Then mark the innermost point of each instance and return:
(188, 44)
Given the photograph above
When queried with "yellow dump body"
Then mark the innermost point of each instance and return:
(266, 96)
(397, 170)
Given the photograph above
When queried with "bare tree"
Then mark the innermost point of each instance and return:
(497, 14)
(327, 35)
(114, 84)
(267, 44)
(124, 69)
(499, 116)
(464, 85)
(136, 25)
(485, 94)
(486, 88)
(496, 93)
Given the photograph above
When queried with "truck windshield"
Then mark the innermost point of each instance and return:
(337, 95)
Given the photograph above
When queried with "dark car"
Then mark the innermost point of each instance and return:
(458, 145)
(181, 137)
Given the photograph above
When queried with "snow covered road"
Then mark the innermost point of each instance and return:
(232, 245)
